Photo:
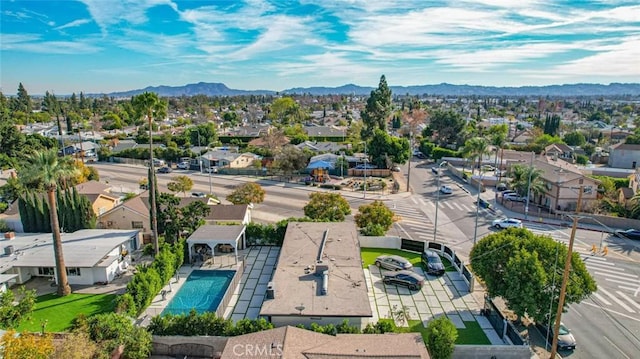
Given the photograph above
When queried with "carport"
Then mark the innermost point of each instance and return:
(209, 240)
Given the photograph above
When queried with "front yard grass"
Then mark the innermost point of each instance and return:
(369, 256)
(472, 334)
(59, 312)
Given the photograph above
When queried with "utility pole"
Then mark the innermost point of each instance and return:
(410, 155)
(565, 275)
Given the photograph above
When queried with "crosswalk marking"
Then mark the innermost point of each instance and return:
(618, 281)
(634, 303)
(615, 299)
(606, 272)
(458, 206)
(601, 299)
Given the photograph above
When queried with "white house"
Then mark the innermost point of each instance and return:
(91, 255)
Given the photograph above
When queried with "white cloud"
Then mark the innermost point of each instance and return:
(109, 13)
(74, 23)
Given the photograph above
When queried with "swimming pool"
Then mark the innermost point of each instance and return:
(202, 291)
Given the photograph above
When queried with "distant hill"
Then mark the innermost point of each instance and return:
(444, 89)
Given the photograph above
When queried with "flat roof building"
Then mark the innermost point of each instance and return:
(318, 277)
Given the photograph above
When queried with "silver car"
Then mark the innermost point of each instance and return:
(393, 262)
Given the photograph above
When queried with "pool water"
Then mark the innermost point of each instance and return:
(203, 291)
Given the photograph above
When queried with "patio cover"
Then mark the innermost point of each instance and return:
(212, 235)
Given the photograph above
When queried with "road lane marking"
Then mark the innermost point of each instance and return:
(615, 346)
(633, 302)
(615, 299)
(600, 298)
(612, 311)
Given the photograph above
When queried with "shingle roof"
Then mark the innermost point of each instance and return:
(92, 187)
(295, 343)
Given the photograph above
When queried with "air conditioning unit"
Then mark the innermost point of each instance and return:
(271, 291)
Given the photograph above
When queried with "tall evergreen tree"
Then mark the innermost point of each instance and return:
(23, 101)
(38, 210)
(22, 208)
(378, 109)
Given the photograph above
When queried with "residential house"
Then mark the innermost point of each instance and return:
(562, 183)
(625, 194)
(560, 151)
(326, 132)
(297, 343)
(99, 194)
(225, 158)
(86, 149)
(131, 214)
(321, 147)
(318, 278)
(91, 255)
(624, 155)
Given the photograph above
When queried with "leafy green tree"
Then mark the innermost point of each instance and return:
(281, 108)
(48, 168)
(12, 314)
(448, 125)
(441, 336)
(575, 138)
(112, 121)
(290, 159)
(180, 184)
(324, 206)
(112, 330)
(523, 268)
(377, 111)
(247, 193)
(635, 206)
(148, 105)
(374, 219)
(384, 148)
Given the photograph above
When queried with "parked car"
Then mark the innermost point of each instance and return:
(183, 165)
(629, 233)
(165, 170)
(431, 263)
(446, 189)
(211, 169)
(198, 194)
(393, 262)
(500, 187)
(407, 278)
(365, 166)
(395, 169)
(514, 197)
(435, 170)
(507, 223)
(508, 192)
(487, 168)
(566, 340)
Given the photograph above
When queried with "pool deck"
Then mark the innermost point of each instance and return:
(259, 263)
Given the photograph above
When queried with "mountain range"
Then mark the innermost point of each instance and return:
(444, 89)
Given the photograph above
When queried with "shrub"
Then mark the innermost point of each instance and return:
(441, 338)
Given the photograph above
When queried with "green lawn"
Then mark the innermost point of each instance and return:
(472, 334)
(369, 256)
(60, 311)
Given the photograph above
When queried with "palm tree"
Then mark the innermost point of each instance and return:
(498, 138)
(476, 148)
(46, 168)
(520, 180)
(635, 207)
(149, 105)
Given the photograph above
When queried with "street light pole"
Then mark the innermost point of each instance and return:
(565, 275)
(410, 154)
(366, 160)
(435, 224)
(210, 190)
(475, 229)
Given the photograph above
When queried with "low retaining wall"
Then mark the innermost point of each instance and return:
(188, 347)
(230, 289)
(492, 351)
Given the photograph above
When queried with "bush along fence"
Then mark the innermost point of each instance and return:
(149, 279)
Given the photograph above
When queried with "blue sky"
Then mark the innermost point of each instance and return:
(110, 45)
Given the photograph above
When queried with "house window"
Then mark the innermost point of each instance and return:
(587, 190)
(46, 271)
(136, 225)
(73, 271)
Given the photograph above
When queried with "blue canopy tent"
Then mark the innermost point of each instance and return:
(321, 165)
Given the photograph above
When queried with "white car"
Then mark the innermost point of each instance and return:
(183, 165)
(507, 223)
(514, 197)
(446, 189)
